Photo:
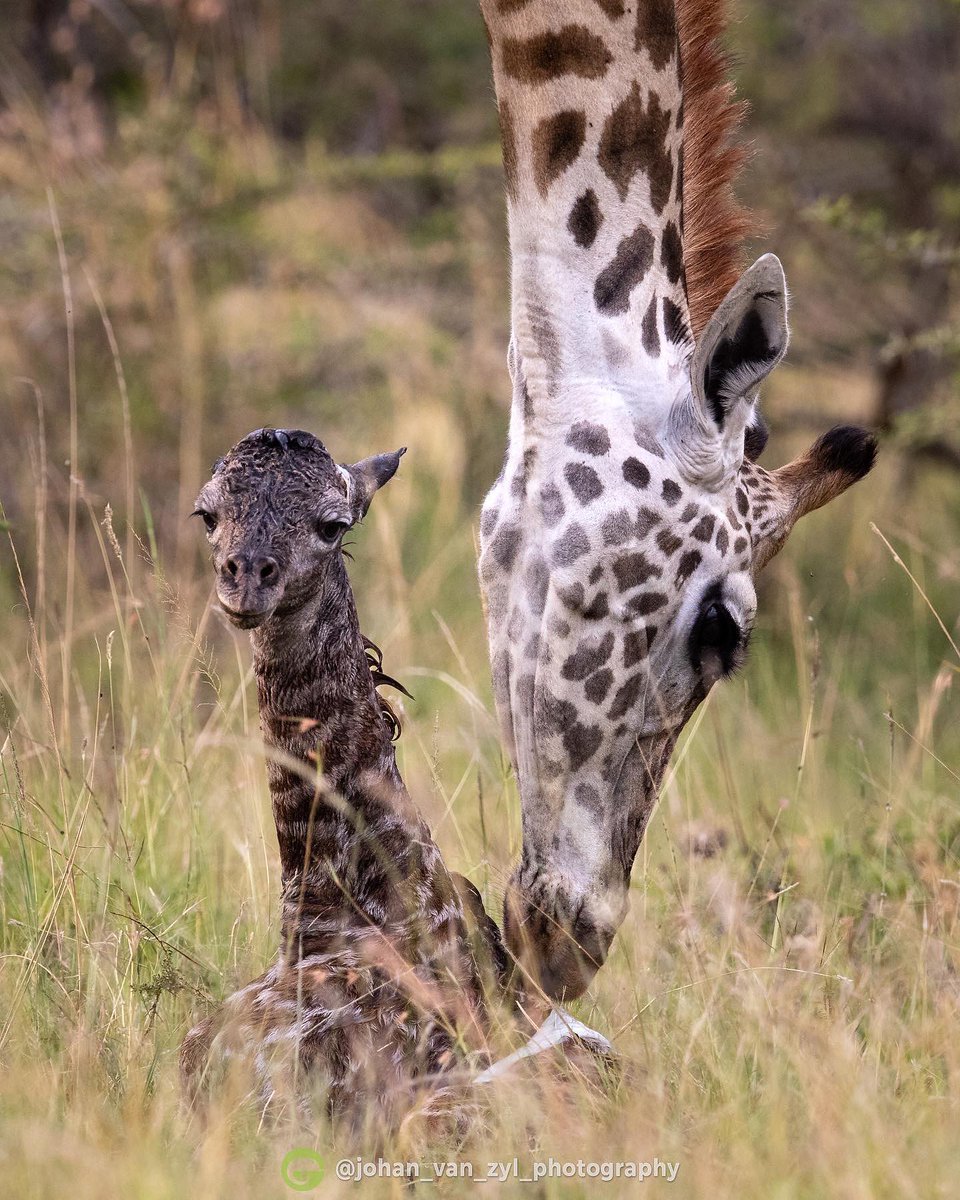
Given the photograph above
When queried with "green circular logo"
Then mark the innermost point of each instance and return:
(302, 1169)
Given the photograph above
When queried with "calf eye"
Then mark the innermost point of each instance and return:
(716, 642)
(329, 531)
(209, 519)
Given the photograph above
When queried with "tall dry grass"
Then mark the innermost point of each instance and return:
(785, 990)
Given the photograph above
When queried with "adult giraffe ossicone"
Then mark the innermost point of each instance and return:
(620, 543)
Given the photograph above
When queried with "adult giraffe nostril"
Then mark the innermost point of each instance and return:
(268, 572)
(233, 566)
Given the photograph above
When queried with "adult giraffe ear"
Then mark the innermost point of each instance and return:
(742, 342)
(833, 463)
(716, 422)
(365, 477)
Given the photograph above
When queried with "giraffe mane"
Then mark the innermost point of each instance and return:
(715, 223)
(374, 657)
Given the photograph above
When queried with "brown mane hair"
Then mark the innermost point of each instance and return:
(715, 225)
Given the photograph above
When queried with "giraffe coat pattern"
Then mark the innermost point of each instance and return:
(620, 544)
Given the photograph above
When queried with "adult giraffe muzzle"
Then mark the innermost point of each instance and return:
(620, 544)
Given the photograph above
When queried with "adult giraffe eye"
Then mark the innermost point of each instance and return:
(329, 531)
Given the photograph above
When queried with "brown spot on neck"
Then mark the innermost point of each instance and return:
(624, 272)
(557, 142)
(671, 253)
(675, 323)
(585, 219)
(635, 139)
(657, 30)
(649, 332)
(572, 50)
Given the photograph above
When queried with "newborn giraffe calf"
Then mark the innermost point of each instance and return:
(388, 962)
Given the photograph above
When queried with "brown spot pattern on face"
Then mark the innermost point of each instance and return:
(581, 743)
(511, 6)
(668, 542)
(572, 50)
(625, 271)
(505, 546)
(585, 219)
(634, 647)
(597, 686)
(635, 473)
(598, 608)
(557, 141)
(633, 570)
(584, 482)
(617, 528)
(646, 520)
(671, 253)
(589, 797)
(649, 331)
(671, 491)
(647, 603)
(687, 565)
(588, 658)
(589, 438)
(573, 596)
(656, 30)
(572, 544)
(635, 139)
(552, 508)
(644, 440)
(613, 8)
(703, 530)
(626, 697)
(538, 581)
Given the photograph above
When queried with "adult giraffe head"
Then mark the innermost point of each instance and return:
(620, 544)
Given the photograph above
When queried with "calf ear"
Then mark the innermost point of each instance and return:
(367, 476)
(743, 341)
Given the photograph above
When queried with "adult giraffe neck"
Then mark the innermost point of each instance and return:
(591, 113)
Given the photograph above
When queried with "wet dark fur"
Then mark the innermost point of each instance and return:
(386, 959)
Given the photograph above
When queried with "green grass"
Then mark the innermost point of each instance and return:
(786, 1008)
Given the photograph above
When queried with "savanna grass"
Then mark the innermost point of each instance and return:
(785, 990)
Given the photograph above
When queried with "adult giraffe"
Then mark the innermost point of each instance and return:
(620, 543)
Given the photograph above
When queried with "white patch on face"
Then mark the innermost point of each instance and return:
(347, 482)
